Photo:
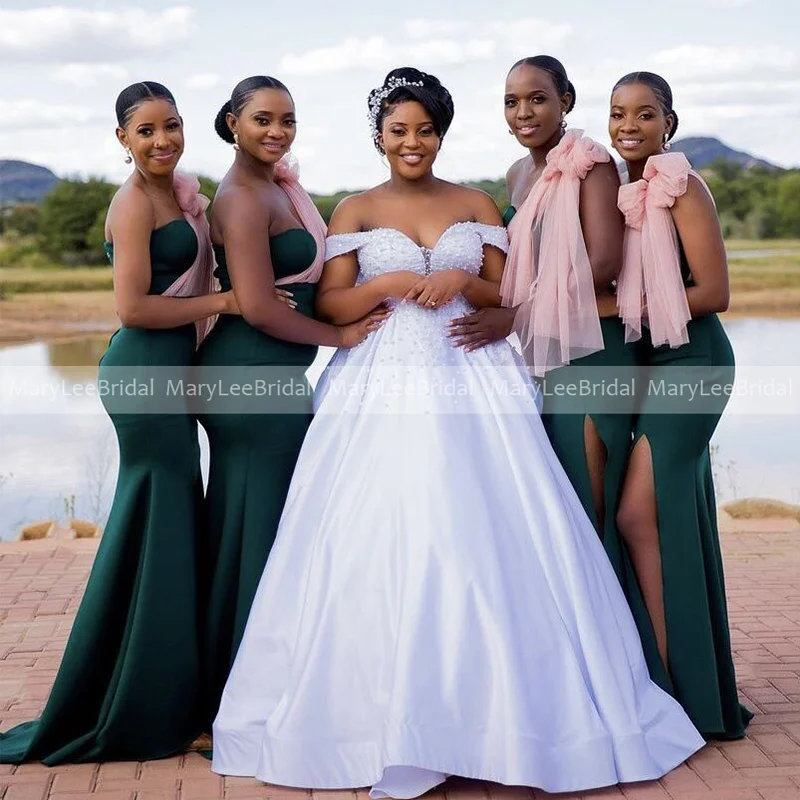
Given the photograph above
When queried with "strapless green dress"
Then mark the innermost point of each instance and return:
(564, 410)
(254, 444)
(698, 638)
(128, 684)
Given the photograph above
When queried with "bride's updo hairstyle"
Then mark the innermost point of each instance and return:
(407, 84)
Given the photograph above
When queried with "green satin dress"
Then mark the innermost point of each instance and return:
(128, 684)
(678, 430)
(609, 403)
(254, 443)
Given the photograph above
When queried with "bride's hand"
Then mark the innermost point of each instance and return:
(396, 285)
(356, 332)
(481, 328)
(439, 289)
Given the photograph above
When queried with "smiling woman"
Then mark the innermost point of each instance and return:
(266, 233)
(674, 279)
(116, 695)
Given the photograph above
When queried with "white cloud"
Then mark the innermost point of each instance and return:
(447, 51)
(431, 43)
(65, 35)
(351, 53)
(203, 80)
(702, 63)
(529, 36)
(89, 74)
(24, 115)
(427, 28)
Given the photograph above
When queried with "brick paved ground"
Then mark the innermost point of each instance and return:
(40, 587)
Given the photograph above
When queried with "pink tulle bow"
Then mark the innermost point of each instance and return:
(651, 270)
(199, 278)
(547, 273)
(287, 173)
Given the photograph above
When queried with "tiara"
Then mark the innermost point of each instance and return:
(377, 96)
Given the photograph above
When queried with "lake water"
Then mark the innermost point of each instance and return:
(54, 465)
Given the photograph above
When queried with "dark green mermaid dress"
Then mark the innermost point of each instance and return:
(127, 687)
(678, 430)
(254, 443)
(608, 401)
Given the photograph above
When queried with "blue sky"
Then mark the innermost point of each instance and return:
(734, 66)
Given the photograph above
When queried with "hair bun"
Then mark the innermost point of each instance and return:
(674, 128)
(571, 90)
(221, 124)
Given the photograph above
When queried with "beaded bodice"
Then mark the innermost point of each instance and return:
(415, 335)
(388, 250)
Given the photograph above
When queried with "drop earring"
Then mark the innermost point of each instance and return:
(666, 145)
(128, 156)
(236, 142)
(563, 121)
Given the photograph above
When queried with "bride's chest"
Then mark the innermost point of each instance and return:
(392, 251)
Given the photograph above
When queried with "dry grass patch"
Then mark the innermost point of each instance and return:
(761, 508)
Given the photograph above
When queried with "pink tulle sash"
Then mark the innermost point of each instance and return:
(651, 268)
(199, 278)
(287, 177)
(557, 320)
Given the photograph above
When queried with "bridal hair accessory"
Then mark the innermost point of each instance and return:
(377, 96)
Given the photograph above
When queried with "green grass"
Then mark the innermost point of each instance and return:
(754, 274)
(27, 280)
(779, 272)
(762, 244)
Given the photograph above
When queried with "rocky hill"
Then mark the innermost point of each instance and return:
(21, 182)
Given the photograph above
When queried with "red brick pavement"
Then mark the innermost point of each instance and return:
(41, 584)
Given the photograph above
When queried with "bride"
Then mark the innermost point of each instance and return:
(437, 601)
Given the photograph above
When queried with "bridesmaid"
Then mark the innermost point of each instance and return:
(565, 229)
(266, 232)
(675, 279)
(128, 685)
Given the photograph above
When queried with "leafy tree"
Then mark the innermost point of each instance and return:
(21, 219)
(787, 202)
(69, 211)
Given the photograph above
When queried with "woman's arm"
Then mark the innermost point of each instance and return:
(244, 226)
(602, 222)
(699, 231)
(339, 300)
(130, 225)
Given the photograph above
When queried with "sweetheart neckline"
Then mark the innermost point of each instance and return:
(405, 236)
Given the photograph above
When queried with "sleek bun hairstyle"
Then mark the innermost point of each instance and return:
(555, 69)
(409, 84)
(660, 88)
(131, 97)
(240, 97)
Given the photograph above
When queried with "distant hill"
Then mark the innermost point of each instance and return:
(21, 182)
(704, 150)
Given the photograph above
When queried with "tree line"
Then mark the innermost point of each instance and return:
(67, 228)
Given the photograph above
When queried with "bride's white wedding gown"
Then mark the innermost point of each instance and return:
(437, 601)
